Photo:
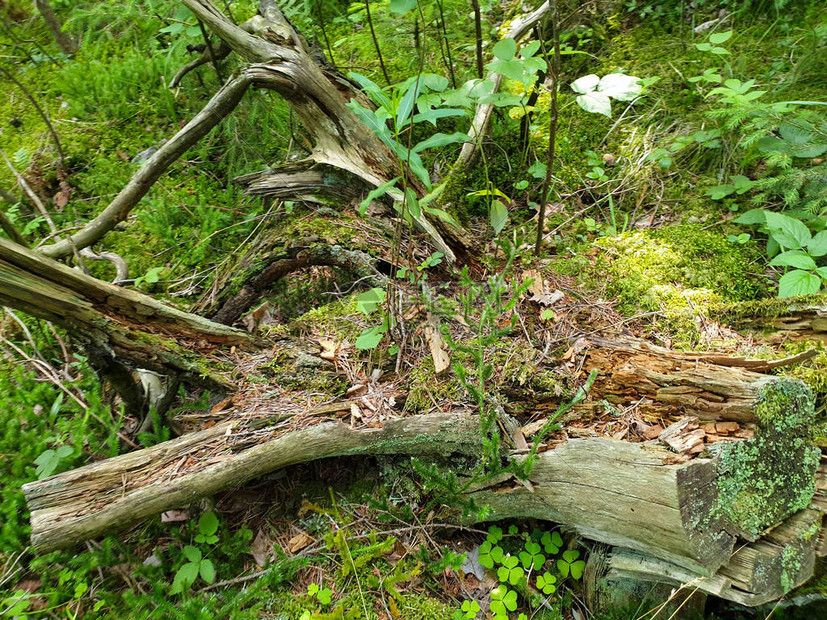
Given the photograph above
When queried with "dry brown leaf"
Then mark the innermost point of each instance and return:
(260, 548)
(299, 542)
(360, 389)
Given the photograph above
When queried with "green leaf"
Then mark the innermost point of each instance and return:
(63, 451)
(406, 104)
(373, 90)
(788, 231)
(441, 139)
(412, 202)
(193, 554)
(498, 216)
(505, 49)
(577, 569)
(585, 84)
(537, 170)
(720, 191)
(794, 258)
(720, 37)
(441, 214)
(818, 244)
(753, 216)
(798, 282)
(401, 6)
(432, 116)
(185, 576)
(596, 103)
(521, 184)
(619, 86)
(376, 193)
(369, 301)
(208, 523)
(207, 571)
(370, 338)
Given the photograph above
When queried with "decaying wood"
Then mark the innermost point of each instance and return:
(757, 573)
(115, 322)
(624, 494)
(797, 319)
(84, 503)
(299, 256)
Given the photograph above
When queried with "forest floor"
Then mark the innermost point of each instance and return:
(635, 246)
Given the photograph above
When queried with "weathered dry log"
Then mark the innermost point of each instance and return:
(114, 494)
(115, 322)
(757, 573)
(803, 318)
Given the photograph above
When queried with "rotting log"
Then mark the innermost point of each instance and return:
(116, 323)
(757, 573)
(801, 318)
(114, 494)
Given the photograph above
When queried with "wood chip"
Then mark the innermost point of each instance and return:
(684, 437)
(330, 349)
(439, 350)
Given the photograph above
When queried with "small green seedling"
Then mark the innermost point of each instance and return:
(552, 541)
(510, 571)
(503, 600)
(570, 565)
(323, 595)
(490, 554)
(468, 611)
(495, 534)
(546, 583)
(207, 528)
(196, 565)
(48, 460)
(531, 558)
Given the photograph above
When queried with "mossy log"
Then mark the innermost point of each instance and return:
(757, 573)
(117, 323)
(800, 318)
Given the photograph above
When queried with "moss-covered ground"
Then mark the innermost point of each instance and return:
(645, 239)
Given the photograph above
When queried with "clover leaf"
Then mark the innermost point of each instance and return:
(546, 583)
(531, 557)
(490, 554)
(570, 565)
(552, 541)
(510, 571)
(470, 609)
(503, 600)
(495, 534)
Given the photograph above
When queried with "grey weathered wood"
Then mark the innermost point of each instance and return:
(120, 323)
(114, 494)
(626, 495)
(757, 573)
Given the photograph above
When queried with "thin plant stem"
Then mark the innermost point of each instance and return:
(478, 35)
(213, 57)
(554, 72)
(324, 33)
(449, 62)
(376, 43)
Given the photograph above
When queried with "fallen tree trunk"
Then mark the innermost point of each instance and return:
(689, 512)
(116, 323)
(757, 573)
(119, 492)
